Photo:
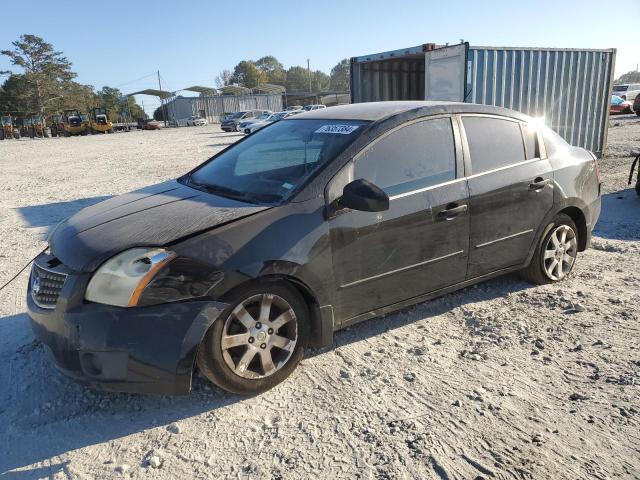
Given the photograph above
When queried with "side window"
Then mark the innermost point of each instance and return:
(493, 143)
(415, 156)
(530, 141)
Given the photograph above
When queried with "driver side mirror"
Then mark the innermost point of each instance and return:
(364, 196)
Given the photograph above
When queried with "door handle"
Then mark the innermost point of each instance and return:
(452, 211)
(539, 183)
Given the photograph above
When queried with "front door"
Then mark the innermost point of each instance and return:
(421, 243)
(510, 192)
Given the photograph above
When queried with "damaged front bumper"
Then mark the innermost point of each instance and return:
(141, 349)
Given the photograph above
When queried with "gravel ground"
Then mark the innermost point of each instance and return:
(500, 380)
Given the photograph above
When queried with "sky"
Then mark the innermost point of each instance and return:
(123, 44)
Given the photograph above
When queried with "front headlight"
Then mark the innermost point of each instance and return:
(121, 280)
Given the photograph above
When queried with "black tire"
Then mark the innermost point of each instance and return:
(536, 272)
(1, 133)
(211, 359)
(32, 133)
(67, 133)
(16, 134)
(638, 112)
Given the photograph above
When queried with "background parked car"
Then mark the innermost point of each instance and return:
(259, 118)
(619, 105)
(627, 91)
(232, 122)
(195, 121)
(308, 108)
(636, 105)
(274, 117)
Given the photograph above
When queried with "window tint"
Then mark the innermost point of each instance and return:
(416, 156)
(530, 141)
(493, 143)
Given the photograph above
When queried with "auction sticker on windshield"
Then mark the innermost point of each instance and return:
(340, 129)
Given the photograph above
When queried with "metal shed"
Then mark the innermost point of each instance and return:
(568, 87)
(214, 107)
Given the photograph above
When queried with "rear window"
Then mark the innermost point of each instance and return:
(620, 88)
(530, 141)
(493, 143)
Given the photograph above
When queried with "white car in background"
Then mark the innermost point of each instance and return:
(194, 121)
(259, 118)
(274, 117)
(627, 91)
(309, 108)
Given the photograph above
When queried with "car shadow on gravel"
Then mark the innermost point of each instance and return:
(620, 216)
(48, 215)
(484, 291)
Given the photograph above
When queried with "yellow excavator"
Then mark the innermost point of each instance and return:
(99, 121)
(8, 130)
(37, 127)
(57, 125)
(74, 124)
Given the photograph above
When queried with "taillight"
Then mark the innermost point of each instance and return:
(596, 164)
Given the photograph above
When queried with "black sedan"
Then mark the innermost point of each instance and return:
(308, 226)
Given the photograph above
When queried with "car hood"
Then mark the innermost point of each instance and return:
(153, 216)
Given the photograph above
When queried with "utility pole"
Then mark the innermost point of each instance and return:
(164, 108)
(309, 72)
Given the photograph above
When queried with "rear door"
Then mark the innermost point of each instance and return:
(420, 244)
(445, 73)
(510, 191)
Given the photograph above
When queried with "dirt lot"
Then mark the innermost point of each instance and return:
(501, 380)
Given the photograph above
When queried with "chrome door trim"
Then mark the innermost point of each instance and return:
(402, 269)
(424, 189)
(501, 239)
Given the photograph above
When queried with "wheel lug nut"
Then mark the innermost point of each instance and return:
(264, 345)
(258, 325)
(270, 331)
(251, 340)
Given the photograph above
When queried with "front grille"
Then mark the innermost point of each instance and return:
(46, 286)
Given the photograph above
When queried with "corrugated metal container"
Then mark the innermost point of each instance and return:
(214, 107)
(570, 88)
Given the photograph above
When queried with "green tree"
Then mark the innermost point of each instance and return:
(247, 73)
(272, 70)
(45, 69)
(629, 77)
(339, 77)
(14, 96)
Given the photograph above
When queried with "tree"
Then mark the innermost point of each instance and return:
(629, 77)
(272, 70)
(340, 76)
(223, 79)
(45, 69)
(247, 73)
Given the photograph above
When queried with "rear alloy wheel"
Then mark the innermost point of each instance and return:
(258, 341)
(560, 252)
(555, 255)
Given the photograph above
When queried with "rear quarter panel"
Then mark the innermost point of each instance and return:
(576, 182)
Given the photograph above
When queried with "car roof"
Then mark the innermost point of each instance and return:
(375, 111)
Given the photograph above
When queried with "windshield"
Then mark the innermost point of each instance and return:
(272, 163)
(235, 115)
(620, 88)
(6, 120)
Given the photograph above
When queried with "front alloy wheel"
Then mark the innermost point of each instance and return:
(258, 340)
(259, 336)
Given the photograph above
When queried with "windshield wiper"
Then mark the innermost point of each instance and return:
(220, 190)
